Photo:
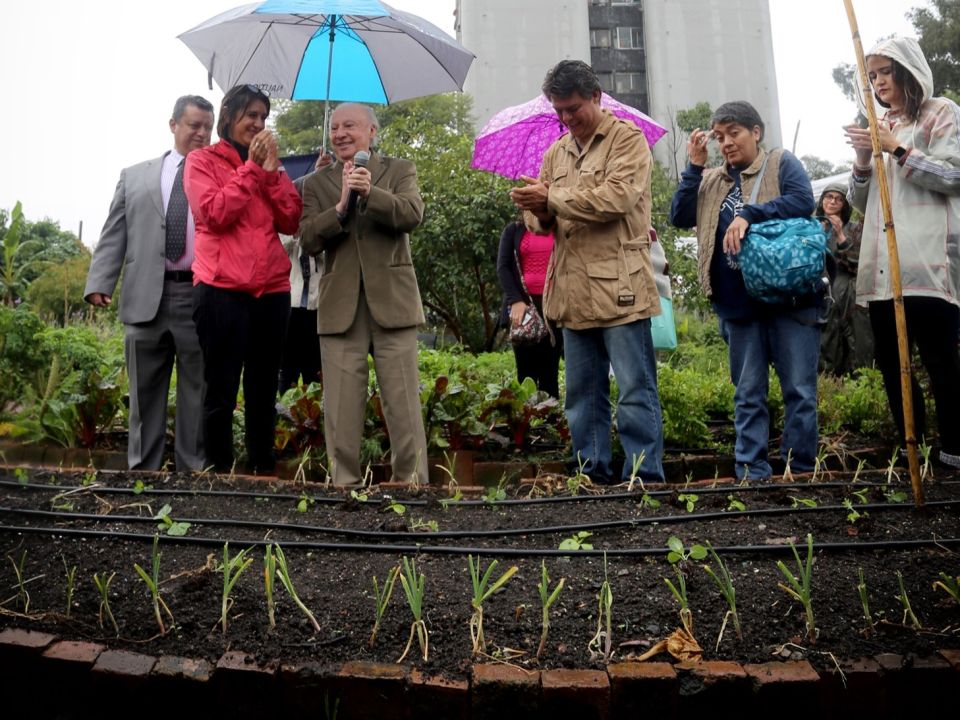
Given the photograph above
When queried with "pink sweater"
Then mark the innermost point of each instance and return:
(534, 256)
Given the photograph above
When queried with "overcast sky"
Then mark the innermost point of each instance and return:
(91, 85)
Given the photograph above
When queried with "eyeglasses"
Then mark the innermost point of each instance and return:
(257, 90)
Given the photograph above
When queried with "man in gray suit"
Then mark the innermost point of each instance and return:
(361, 216)
(149, 235)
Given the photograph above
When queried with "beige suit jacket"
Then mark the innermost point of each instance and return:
(370, 251)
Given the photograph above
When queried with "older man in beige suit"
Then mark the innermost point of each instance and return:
(360, 215)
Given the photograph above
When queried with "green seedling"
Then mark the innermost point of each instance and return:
(820, 461)
(455, 495)
(139, 487)
(860, 495)
(482, 590)
(382, 597)
(853, 515)
(925, 450)
(800, 585)
(22, 476)
(679, 553)
(23, 597)
(950, 585)
(102, 584)
(895, 496)
(635, 472)
(413, 583)
(577, 542)
(71, 575)
(724, 583)
(689, 500)
(648, 502)
(283, 573)
(231, 568)
(892, 465)
(269, 573)
(89, 478)
(796, 502)
(735, 503)
(361, 496)
(390, 504)
(425, 525)
(168, 525)
(547, 598)
(448, 465)
(603, 638)
(680, 593)
(304, 503)
(153, 583)
(865, 604)
(493, 495)
(861, 464)
(908, 613)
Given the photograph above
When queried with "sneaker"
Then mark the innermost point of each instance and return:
(950, 460)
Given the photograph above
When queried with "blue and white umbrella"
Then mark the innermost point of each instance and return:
(356, 50)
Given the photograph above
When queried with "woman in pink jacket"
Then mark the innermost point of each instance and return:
(241, 198)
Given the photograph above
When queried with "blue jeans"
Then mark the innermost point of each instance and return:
(789, 341)
(588, 355)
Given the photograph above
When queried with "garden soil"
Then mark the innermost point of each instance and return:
(334, 577)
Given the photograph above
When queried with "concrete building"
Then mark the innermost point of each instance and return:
(659, 56)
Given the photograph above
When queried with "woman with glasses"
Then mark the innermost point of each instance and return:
(241, 198)
(920, 143)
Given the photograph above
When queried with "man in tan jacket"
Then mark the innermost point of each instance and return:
(369, 300)
(594, 192)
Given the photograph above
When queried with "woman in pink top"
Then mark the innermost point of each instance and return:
(522, 263)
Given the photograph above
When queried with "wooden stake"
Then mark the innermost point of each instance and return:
(906, 389)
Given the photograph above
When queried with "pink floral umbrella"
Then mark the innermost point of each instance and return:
(514, 140)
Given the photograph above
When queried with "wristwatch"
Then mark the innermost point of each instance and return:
(899, 152)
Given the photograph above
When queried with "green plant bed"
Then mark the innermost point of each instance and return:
(334, 545)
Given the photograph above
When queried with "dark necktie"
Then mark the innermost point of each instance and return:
(177, 209)
(305, 271)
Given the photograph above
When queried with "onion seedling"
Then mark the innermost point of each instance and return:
(413, 583)
(269, 573)
(950, 585)
(635, 472)
(907, 610)
(284, 574)
(800, 585)
(153, 583)
(680, 593)
(865, 604)
(604, 635)
(547, 598)
(71, 573)
(23, 597)
(382, 598)
(103, 587)
(231, 568)
(725, 584)
(482, 590)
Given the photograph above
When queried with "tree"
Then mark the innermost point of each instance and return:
(299, 126)
(682, 123)
(817, 167)
(57, 294)
(938, 29)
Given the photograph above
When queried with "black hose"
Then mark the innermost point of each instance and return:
(421, 549)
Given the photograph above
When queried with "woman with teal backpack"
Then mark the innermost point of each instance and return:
(752, 186)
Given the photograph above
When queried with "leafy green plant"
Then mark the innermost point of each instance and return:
(603, 638)
(895, 496)
(908, 613)
(168, 524)
(493, 495)
(153, 583)
(21, 475)
(950, 585)
(865, 604)
(647, 501)
(381, 598)
(102, 583)
(23, 597)
(283, 573)
(688, 500)
(853, 515)
(71, 575)
(413, 583)
(456, 495)
(547, 598)
(425, 525)
(735, 503)
(304, 503)
(860, 495)
(232, 568)
(724, 583)
(389, 504)
(482, 590)
(800, 585)
(139, 487)
(796, 502)
(577, 542)
(679, 553)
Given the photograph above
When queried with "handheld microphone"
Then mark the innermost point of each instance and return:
(360, 159)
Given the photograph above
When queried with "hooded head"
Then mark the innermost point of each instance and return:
(911, 73)
(841, 190)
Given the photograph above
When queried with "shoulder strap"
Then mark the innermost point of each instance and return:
(756, 184)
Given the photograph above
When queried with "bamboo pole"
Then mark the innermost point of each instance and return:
(906, 389)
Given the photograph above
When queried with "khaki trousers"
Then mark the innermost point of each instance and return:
(345, 378)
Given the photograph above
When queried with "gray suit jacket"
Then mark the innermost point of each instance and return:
(372, 247)
(133, 240)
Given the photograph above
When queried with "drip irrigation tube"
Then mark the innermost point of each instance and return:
(421, 549)
(499, 532)
(417, 502)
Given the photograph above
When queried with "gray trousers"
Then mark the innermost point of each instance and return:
(345, 378)
(151, 349)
